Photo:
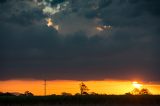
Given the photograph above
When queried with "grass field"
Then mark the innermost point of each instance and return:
(89, 100)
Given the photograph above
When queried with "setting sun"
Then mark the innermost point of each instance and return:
(136, 84)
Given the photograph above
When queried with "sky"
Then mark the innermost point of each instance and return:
(80, 40)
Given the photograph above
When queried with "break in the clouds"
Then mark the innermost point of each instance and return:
(78, 51)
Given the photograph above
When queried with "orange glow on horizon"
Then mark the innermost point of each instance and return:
(58, 86)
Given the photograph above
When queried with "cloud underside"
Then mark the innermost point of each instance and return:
(32, 50)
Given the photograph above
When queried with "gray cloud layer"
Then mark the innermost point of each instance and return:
(31, 50)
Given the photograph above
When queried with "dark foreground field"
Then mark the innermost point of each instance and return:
(109, 100)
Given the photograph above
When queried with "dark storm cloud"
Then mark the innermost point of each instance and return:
(21, 13)
(149, 6)
(54, 2)
(3, 1)
(29, 49)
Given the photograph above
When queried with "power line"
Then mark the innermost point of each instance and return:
(45, 85)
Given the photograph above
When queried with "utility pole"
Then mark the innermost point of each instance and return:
(45, 84)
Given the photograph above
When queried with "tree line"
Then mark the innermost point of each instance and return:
(84, 90)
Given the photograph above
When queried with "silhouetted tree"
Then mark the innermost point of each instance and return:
(1, 93)
(144, 91)
(66, 94)
(93, 93)
(84, 89)
(128, 93)
(135, 91)
(53, 95)
(6, 94)
(77, 94)
(27, 93)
